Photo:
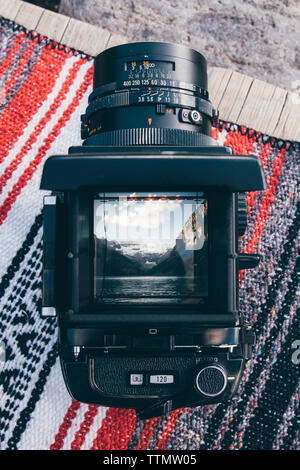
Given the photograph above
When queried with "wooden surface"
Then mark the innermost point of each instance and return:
(239, 98)
(52, 25)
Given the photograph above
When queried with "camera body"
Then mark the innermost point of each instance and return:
(141, 261)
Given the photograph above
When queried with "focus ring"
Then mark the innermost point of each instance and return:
(150, 136)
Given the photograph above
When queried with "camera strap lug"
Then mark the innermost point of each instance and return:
(248, 342)
(161, 408)
(248, 260)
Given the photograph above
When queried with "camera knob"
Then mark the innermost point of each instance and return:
(211, 381)
(242, 213)
(195, 116)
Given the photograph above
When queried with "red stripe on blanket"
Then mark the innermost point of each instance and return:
(65, 426)
(252, 196)
(12, 53)
(241, 144)
(85, 426)
(147, 434)
(31, 169)
(168, 429)
(42, 123)
(116, 430)
(29, 98)
(215, 133)
(265, 205)
(268, 198)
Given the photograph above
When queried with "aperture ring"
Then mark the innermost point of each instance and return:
(153, 82)
(127, 98)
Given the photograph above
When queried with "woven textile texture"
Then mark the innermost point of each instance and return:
(44, 89)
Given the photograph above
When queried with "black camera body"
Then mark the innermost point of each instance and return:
(141, 261)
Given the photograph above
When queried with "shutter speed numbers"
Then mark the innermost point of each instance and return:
(146, 82)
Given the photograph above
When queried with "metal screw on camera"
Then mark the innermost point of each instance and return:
(195, 116)
(76, 352)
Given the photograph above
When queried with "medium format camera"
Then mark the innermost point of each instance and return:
(141, 260)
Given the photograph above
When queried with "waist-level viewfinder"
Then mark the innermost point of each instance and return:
(141, 230)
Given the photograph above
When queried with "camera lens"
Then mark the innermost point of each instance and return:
(149, 93)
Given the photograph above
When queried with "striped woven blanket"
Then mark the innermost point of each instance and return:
(44, 89)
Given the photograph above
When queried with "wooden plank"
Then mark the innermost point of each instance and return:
(274, 111)
(262, 107)
(29, 15)
(52, 25)
(234, 96)
(9, 8)
(85, 37)
(288, 124)
(218, 79)
(116, 40)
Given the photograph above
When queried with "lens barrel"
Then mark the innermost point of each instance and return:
(149, 93)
